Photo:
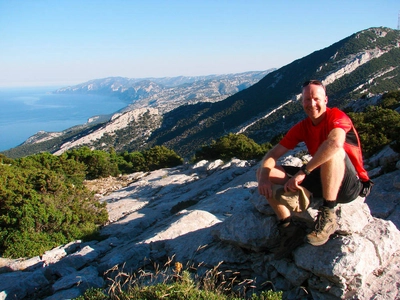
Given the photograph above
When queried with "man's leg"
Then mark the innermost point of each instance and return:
(279, 176)
(291, 235)
(332, 174)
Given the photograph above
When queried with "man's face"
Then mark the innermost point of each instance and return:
(314, 102)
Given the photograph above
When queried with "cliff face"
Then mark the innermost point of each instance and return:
(140, 122)
(210, 214)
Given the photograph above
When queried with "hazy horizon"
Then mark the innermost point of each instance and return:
(67, 42)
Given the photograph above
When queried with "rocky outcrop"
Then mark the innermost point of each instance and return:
(118, 121)
(353, 62)
(210, 214)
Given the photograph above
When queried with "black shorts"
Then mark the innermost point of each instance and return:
(349, 190)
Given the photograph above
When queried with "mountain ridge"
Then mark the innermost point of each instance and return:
(361, 65)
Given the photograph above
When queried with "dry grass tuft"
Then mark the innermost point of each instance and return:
(175, 282)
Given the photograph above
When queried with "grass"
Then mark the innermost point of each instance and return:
(176, 283)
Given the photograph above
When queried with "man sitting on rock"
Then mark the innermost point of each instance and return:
(335, 172)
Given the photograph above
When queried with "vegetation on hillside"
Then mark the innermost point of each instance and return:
(43, 204)
(232, 145)
(379, 126)
(129, 138)
(43, 200)
(50, 145)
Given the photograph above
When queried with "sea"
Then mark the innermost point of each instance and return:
(25, 111)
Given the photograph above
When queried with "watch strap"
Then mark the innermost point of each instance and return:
(304, 169)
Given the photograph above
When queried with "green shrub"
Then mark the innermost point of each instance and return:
(98, 163)
(377, 127)
(43, 204)
(390, 100)
(230, 146)
(103, 164)
(131, 162)
(161, 157)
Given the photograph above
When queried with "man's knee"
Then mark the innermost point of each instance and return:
(336, 163)
(340, 155)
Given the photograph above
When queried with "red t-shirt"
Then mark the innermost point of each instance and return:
(314, 136)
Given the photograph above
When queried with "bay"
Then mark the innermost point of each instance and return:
(26, 111)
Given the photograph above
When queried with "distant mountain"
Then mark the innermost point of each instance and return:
(168, 93)
(359, 66)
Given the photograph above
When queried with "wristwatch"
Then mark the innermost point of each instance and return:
(304, 169)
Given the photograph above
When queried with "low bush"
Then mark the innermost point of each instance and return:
(377, 127)
(230, 146)
(43, 204)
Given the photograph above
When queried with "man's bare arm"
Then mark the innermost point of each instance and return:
(267, 164)
(328, 148)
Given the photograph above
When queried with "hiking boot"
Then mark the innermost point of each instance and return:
(291, 236)
(325, 225)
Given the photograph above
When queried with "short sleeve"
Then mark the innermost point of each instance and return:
(293, 137)
(340, 120)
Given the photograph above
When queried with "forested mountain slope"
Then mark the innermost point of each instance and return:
(357, 66)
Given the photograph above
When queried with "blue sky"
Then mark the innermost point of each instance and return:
(68, 42)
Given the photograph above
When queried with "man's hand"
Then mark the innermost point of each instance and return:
(264, 185)
(265, 189)
(293, 183)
